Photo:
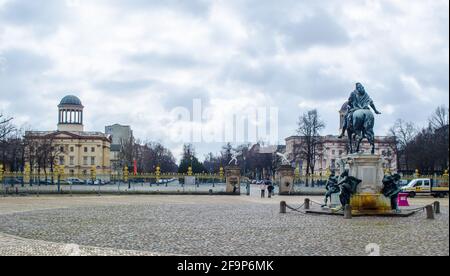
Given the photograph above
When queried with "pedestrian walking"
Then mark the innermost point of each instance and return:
(263, 188)
(270, 188)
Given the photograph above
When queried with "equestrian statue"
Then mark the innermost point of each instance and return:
(359, 120)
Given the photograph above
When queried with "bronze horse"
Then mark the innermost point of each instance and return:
(361, 128)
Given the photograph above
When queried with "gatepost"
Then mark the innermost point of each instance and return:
(125, 176)
(158, 174)
(93, 174)
(233, 179)
(60, 177)
(1, 173)
(285, 177)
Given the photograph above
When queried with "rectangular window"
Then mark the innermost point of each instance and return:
(61, 149)
(85, 161)
(72, 149)
(85, 149)
(61, 160)
(93, 161)
(92, 149)
(72, 160)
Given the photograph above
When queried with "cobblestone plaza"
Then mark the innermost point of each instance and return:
(205, 225)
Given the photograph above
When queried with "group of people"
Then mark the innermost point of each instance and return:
(267, 185)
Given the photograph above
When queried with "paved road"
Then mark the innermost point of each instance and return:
(204, 225)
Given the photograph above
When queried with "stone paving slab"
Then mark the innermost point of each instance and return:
(216, 225)
(16, 246)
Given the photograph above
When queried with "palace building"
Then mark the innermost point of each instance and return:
(78, 151)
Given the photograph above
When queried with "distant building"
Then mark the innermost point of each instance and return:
(332, 149)
(75, 149)
(120, 135)
(264, 159)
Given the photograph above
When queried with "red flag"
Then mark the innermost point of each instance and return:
(135, 167)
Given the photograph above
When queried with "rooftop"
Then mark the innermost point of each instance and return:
(70, 100)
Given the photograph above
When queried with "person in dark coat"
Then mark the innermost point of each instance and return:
(270, 187)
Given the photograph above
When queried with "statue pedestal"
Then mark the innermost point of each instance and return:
(189, 180)
(285, 179)
(369, 169)
(233, 179)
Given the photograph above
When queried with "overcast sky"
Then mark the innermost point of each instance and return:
(133, 61)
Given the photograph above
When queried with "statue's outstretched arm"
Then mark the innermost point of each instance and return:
(374, 108)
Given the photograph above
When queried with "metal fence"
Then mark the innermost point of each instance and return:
(23, 184)
(18, 183)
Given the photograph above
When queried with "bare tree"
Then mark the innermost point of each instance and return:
(5, 126)
(309, 127)
(404, 133)
(425, 149)
(440, 118)
(42, 152)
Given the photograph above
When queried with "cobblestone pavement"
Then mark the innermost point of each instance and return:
(205, 225)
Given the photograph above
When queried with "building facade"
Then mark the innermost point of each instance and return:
(120, 135)
(70, 147)
(331, 149)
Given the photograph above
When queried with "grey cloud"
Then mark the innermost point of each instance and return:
(287, 82)
(193, 7)
(183, 96)
(123, 86)
(42, 15)
(299, 24)
(319, 29)
(174, 60)
(17, 62)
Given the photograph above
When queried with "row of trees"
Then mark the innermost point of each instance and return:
(15, 149)
(423, 148)
(147, 156)
(12, 146)
(252, 162)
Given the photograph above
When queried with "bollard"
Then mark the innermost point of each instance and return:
(437, 207)
(348, 212)
(307, 203)
(283, 207)
(430, 211)
(210, 192)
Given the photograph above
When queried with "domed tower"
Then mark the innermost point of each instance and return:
(70, 116)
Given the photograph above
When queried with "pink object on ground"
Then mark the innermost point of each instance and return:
(403, 200)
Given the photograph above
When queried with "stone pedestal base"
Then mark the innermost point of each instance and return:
(189, 180)
(285, 179)
(368, 168)
(233, 179)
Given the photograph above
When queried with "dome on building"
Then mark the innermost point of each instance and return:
(70, 100)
